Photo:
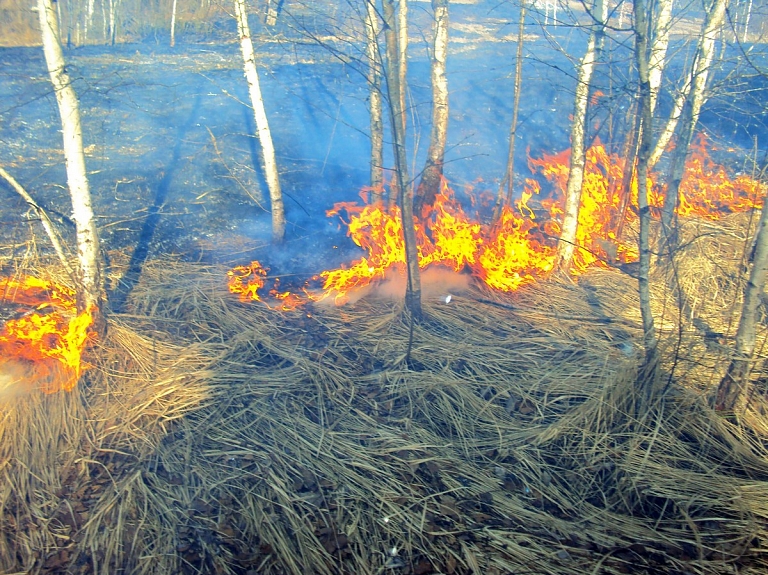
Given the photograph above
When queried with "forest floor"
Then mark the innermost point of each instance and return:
(211, 435)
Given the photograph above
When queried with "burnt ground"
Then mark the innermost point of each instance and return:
(174, 168)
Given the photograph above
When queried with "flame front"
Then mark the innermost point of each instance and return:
(520, 248)
(50, 338)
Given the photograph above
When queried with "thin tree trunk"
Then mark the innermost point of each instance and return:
(567, 245)
(747, 18)
(649, 379)
(397, 121)
(691, 111)
(90, 286)
(112, 31)
(661, 28)
(509, 174)
(694, 88)
(431, 177)
(374, 102)
(629, 154)
(104, 32)
(173, 23)
(402, 55)
(88, 20)
(262, 124)
(44, 220)
(731, 389)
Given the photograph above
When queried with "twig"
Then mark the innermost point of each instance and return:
(231, 174)
(44, 219)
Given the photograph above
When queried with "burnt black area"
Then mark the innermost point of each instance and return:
(174, 167)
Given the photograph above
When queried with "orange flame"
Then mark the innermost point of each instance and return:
(521, 247)
(50, 338)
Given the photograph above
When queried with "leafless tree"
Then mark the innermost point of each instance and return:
(567, 245)
(90, 288)
(730, 392)
(432, 175)
(509, 173)
(371, 23)
(691, 108)
(642, 60)
(262, 124)
(405, 191)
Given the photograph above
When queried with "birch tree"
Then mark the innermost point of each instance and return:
(405, 192)
(567, 244)
(659, 45)
(173, 23)
(691, 110)
(90, 287)
(371, 24)
(731, 389)
(431, 177)
(662, 18)
(693, 91)
(262, 124)
(402, 55)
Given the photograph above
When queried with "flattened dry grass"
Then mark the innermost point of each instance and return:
(215, 436)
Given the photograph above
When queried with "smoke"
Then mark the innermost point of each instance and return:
(16, 379)
(437, 283)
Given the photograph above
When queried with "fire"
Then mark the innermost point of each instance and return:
(520, 248)
(50, 338)
(707, 191)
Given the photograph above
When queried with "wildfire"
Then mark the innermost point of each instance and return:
(48, 340)
(520, 248)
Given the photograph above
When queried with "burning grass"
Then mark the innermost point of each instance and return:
(211, 435)
(520, 247)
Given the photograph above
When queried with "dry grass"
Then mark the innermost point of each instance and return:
(212, 436)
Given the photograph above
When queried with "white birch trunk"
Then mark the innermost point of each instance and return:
(695, 84)
(104, 32)
(112, 31)
(431, 177)
(402, 54)
(374, 101)
(661, 27)
(173, 24)
(87, 19)
(692, 108)
(262, 125)
(90, 289)
(747, 18)
(733, 384)
(567, 244)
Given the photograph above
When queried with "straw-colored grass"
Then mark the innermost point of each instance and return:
(215, 436)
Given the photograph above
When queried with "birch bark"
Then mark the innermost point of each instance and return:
(731, 389)
(173, 23)
(691, 110)
(402, 55)
(695, 85)
(567, 245)
(431, 177)
(90, 286)
(262, 124)
(374, 102)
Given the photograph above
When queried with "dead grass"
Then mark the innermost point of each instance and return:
(212, 436)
